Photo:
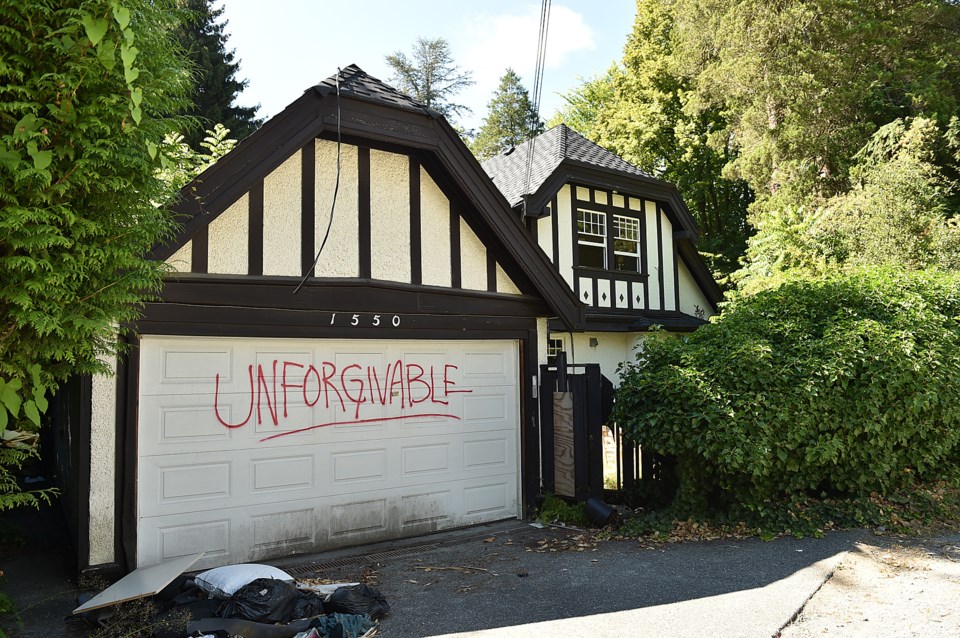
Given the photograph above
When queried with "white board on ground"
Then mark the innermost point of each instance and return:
(140, 583)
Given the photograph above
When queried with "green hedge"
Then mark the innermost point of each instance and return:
(840, 386)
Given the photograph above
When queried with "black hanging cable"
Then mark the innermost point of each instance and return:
(537, 91)
(336, 189)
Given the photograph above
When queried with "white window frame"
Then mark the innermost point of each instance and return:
(618, 227)
(593, 221)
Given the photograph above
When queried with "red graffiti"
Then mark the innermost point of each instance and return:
(355, 385)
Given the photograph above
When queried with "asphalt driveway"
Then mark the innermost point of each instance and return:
(511, 579)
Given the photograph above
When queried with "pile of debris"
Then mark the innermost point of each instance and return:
(239, 601)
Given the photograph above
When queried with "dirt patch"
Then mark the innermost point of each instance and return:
(887, 589)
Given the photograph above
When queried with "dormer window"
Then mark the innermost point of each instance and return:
(592, 241)
(592, 238)
(626, 243)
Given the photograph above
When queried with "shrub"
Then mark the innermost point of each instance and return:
(834, 387)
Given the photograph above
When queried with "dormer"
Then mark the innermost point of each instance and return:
(623, 240)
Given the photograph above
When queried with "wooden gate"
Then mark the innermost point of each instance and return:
(574, 405)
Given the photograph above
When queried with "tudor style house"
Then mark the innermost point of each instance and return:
(623, 241)
(348, 344)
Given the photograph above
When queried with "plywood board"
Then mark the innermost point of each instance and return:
(563, 458)
(140, 583)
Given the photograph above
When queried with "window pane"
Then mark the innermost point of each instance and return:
(626, 228)
(592, 223)
(628, 263)
(592, 256)
(625, 246)
(592, 238)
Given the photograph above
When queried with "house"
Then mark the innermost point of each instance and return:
(347, 346)
(623, 241)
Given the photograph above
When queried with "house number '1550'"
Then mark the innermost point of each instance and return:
(375, 320)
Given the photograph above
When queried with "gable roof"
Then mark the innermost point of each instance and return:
(363, 110)
(561, 155)
(560, 143)
(354, 82)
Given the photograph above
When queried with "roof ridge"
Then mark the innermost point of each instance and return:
(562, 146)
(357, 83)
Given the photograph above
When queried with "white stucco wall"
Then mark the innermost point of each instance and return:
(103, 418)
(389, 216)
(434, 233)
(545, 235)
(566, 240)
(611, 350)
(670, 291)
(543, 332)
(653, 256)
(473, 259)
(182, 260)
(281, 219)
(341, 254)
(691, 296)
(227, 240)
(505, 284)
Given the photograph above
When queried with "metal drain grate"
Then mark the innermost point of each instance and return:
(363, 559)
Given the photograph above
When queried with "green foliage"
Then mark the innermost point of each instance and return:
(839, 386)
(645, 111)
(86, 91)
(805, 84)
(215, 69)
(510, 119)
(897, 212)
(430, 76)
(555, 509)
(179, 163)
(86, 87)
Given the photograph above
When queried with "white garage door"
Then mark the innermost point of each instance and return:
(257, 448)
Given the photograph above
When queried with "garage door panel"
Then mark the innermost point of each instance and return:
(349, 467)
(283, 530)
(426, 511)
(336, 443)
(425, 459)
(180, 421)
(489, 498)
(245, 534)
(283, 474)
(215, 480)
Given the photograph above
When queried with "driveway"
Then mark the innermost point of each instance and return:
(511, 579)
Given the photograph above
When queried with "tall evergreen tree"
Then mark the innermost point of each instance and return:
(510, 119)
(804, 84)
(216, 84)
(430, 76)
(642, 109)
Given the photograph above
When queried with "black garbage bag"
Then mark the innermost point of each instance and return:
(264, 600)
(358, 600)
(309, 604)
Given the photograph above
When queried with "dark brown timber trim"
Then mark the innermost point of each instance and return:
(363, 221)
(255, 230)
(416, 249)
(663, 295)
(308, 206)
(555, 225)
(82, 440)
(127, 442)
(491, 272)
(198, 258)
(676, 276)
(456, 279)
(643, 252)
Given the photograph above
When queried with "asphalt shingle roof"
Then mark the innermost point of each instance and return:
(550, 149)
(356, 83)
